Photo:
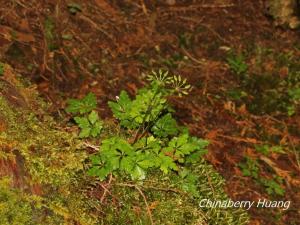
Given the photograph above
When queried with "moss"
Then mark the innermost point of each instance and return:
(53, 159)
(14, 209)
(169, 205)
(48, 152)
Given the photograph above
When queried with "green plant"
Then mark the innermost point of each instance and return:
(294, 94)
(273, 185)
(172, 85)
(81, 106)
(251, 168)
(237, 63)
(165, 126)
(266, 149)
(158, 141)
(160, 159)
(267, 89)
(185, 40)
(90, 125)
(237, 94)
(89, 121)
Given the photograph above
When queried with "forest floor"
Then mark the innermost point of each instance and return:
(229, 50)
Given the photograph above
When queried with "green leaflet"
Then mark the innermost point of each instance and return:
(250, 168)
(81, 106)
(165, 126)
(294, 93)
(273, 186)
(90, 125)
(112, 151)
(184, 145)
(147, 106)
(189, 182)
(166, 163)
(158, 143)
(84, 124)
(237, 64)
(74, 8)
(148, 144)
(116, 153)
(266, 149)
(121, 109)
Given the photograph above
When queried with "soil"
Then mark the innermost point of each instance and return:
(104, 46)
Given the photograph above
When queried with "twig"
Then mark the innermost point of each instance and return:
(148, 112)
(144, 197)
(197, 21)
(91, 146)
(22, 4)
(191, 57)
(210, 184)
(238, 139)
(165, 189)
(194, 7)
(144, 8)
(216, 33)
(278, 171)
(145, 200)
(290, 140)
(95, 25)
(79, 39)
(45, 52)
(105, 189)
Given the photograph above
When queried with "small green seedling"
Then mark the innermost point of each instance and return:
(266, 149)
(250, 168)
(237, 64)
(88, 121)
(90, 125)
(273, 186)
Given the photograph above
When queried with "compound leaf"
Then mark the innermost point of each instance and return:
(85, 105)
(167, 163)
(93, 117)
(165, 126)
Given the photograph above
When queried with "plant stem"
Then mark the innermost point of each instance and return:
(148, 111)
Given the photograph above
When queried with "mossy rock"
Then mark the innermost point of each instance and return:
(44, 163)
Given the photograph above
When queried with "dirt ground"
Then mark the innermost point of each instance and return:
(104, 46)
